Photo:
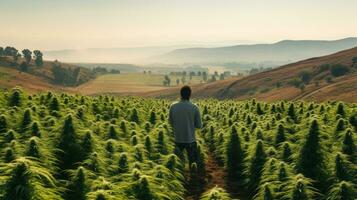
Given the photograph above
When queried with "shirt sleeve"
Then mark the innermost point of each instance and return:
(198, 121)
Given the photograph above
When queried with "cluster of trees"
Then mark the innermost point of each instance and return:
(64, 75)
(258, 70)
(190, 75)
(184, 79)
(26, 54)
(103, 70)
(334, 70)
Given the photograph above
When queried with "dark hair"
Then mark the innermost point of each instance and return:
(185, 92)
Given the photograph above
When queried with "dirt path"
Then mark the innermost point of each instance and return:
(215, 176)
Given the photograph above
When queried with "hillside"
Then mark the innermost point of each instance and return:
(37, 78)
(278, 84)
(285, 52)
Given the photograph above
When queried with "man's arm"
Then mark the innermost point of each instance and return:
(198, 121)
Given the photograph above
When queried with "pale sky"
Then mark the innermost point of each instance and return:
(68, 24)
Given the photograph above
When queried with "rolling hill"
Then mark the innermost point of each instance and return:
(37, 78)
(278, 84)
(135, 55)
(282, 52)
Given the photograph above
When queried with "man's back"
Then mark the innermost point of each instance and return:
(184, 118)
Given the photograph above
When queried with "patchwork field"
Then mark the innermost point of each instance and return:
(131, 83)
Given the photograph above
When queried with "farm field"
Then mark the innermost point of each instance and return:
(63, 146)
(131, 83)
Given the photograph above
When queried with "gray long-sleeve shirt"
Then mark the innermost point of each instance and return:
(184, 117)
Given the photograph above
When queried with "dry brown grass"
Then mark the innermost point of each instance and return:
(262, 86)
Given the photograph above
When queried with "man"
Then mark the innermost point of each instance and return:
(184, 117)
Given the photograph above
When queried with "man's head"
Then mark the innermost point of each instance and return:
(185, 92)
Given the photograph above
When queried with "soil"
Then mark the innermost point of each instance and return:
(215, 175)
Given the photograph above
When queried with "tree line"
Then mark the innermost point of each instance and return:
(27, 54)
(61, 75)
(205, 77)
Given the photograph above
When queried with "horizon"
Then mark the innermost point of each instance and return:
(97, 24)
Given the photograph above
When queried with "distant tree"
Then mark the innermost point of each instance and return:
(215, 73)
(213, 78)
(144, 72)
(75, 75)
(10, 51)
(199, 73)
(328, 79)
(296, 82)
(221, 77)
(183, 80)
(58, 73)
(24, 67)
(27, 55)
(323, 67)
(2, 52)
(177, 81)
(305, 76)
(191, 75)
(339, 70)
(302, 87)
(115, 71)
(354, 61)
(38, 58)
(204, 76)
(167, 80)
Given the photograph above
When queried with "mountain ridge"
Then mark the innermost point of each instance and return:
(283, 51)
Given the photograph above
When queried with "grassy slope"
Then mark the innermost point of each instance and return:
(37, 79)
(343, 88)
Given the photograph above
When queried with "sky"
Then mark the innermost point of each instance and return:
(79, 24)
